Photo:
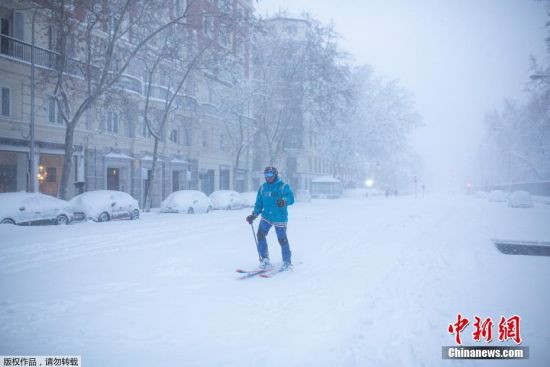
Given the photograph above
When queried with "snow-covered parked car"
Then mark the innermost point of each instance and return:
(226, 199)
(186, 201)
(520, 199)
(498, 196)
(35, 208)
(248, 198)
(106, 205)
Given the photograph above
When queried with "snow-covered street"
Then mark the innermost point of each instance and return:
(376, 282)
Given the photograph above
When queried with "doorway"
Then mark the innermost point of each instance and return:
(113, 178)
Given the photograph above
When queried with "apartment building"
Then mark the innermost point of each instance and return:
(113, 148)
(301, 159)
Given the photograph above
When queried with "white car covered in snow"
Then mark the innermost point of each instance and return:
(106, 205)
(249, 198)
(226, 199)
(498, 196)
(520, 199)
(34, 208)
(186, 201)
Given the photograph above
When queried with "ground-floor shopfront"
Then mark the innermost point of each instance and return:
(15, 169)
(107, 169)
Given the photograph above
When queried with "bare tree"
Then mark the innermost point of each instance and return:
(238, 125)
(180, 67)
(180, 56)
(96, 42)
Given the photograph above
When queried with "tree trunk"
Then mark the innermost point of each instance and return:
(67, 161)
(147, 202)
(236, 167)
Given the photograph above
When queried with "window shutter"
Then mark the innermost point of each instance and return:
(6, 101)
(51, 110)
(115, 122)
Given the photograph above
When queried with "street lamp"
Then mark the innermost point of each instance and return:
(369, 183)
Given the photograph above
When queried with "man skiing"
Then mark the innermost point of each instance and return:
(271, 202)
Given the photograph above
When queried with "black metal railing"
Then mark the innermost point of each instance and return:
(130, 80)
(48, 59)
(130, 83)
(20, 50)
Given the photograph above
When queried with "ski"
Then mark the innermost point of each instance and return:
(251, 273)
(272, 273)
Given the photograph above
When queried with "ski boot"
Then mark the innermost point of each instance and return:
(287, 266)
(265, 264)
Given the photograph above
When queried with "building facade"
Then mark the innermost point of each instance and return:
(113, 147)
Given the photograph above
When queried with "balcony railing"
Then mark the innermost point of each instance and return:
(210, 109)
(186, 102)
(48, 59)
(130, 83)
(22, 51)
(159, 92)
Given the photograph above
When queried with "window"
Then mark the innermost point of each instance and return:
(52, 38)
(54, 114)
(6, 101)
(222, 142)
(188, 135)
(225, 36)
(205, 138)
(190, 86)
(6, 26)
(51, 174)
(112, 122)
(145, 132)
(174, 136)
(208, 27)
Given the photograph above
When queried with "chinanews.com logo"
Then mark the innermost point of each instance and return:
(509, 329)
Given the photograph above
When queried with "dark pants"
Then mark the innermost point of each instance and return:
(263, 230)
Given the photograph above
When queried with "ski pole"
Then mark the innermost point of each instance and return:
(256, 241)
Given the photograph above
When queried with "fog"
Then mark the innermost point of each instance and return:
(460, 59)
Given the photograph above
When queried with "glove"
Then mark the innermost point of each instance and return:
(281, 202)
(251, 218)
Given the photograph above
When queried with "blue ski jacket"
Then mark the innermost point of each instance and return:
(266, 201)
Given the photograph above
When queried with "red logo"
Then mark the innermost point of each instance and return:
(507, 329)
(484, 330)
(457, 327)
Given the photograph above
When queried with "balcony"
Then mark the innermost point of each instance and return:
(47, 59)
(158, 92)
(210, 109)
(187, 102)
(19, 50)
(130, 83)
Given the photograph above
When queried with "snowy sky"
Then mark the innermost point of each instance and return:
(460, 58)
